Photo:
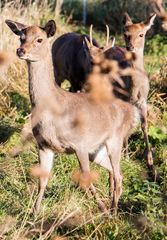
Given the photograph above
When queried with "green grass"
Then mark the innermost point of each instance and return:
(141, 208)
(66, 209)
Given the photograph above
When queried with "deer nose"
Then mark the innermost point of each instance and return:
(130, 47)
(20, 52)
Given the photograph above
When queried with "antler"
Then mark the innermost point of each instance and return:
(108, 35)
(113, 42)
(90, 35)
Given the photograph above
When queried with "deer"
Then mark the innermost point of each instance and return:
(73, 55)
(160, 11)
(134, 35)
(55, 112)
(138, 86)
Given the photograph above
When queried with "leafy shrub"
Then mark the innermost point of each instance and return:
(157, 134)
(157, 45)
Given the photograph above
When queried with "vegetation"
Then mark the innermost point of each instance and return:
(67, 211)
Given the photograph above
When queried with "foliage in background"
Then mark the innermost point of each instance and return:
(102, 12)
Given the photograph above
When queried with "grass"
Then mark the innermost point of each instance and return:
(67, 211)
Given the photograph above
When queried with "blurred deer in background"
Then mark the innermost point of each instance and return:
(57, 126)
(160, 11)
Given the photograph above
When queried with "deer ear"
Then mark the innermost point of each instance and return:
(127, 20)
(15, 27)
(149, 22)
(50, 28)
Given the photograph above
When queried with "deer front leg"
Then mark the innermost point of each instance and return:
(144, 126)
(45, 163)
(100, 204)
(114, 147)
(86, 178)
(101, 158)
(117, 188)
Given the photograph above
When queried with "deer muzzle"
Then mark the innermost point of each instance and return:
(20, 52)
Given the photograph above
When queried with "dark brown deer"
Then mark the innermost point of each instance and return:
(55, 114)
(71, 59)
(73, 56)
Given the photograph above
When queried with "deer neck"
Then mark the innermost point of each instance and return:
(41, 80)
(139, 62)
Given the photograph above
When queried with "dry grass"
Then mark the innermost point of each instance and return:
(15, 79)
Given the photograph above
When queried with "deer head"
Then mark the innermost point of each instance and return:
(96, 51)
(134, 33)
(32, 39)
(93, 50)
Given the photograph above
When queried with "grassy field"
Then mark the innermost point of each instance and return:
(67, 211)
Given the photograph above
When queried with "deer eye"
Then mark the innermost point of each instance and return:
(39, 40)
(141, 35)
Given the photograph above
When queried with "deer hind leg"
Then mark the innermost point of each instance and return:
(85, 170)
(84, 177)
(144, 126)
(101, 158)
(45, 162)
(117, 187)
(111, 183)
(100, 203)
(114, 147)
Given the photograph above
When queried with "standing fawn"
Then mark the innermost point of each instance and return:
(134, 34)
(138, 86)
(104, 126)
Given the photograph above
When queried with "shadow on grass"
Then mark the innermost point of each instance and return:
(132, 207)
(6, 130)
(21, 103)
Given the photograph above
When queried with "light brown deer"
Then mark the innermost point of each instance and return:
(160, 11)
(138, 86)
(104, 126)
(134, 34)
